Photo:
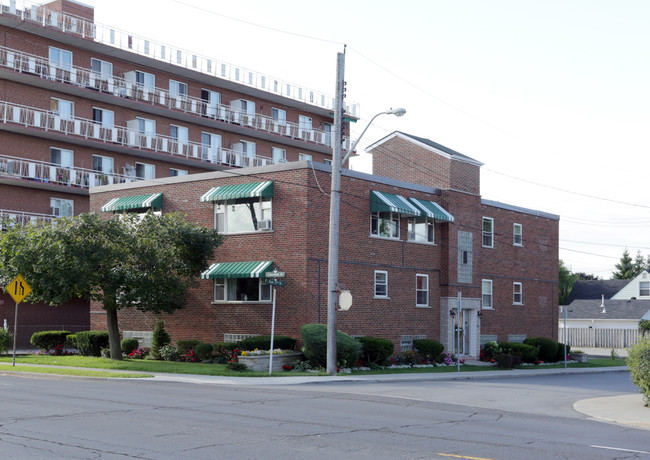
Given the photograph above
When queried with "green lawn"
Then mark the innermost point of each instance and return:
(150, 366)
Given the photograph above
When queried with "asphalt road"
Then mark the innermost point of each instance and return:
(519, 418)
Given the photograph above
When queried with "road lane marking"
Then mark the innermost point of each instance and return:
(621, 449)
(462, 456)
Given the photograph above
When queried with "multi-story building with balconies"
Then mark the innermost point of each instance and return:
(82, 104)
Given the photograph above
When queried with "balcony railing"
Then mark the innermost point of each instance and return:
(20, 115)
(120, 87)
(110, 36)
(40, 171)
(9, 218)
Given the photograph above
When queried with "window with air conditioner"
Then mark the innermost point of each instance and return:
(61, 208)
(243, 215)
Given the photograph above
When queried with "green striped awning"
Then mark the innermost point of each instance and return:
(237, 270)
(432, 210)
(382, 201)
(232, 192)
(124, 203)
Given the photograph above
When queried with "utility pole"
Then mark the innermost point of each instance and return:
(335, 207)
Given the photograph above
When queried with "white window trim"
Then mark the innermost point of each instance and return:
(227, 203)
(174, 89)
(648, 284)
(516, 226)
(378, 234)
(425, 276)
(305, 157)
(375, 296)
(491, 294)
(57, 111)
(145, 164)
(103, 123)
(61, 201)
(225, 293)
(484, 233)
(428, 220)
(515, 293)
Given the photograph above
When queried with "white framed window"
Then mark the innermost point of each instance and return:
(421, 229)
(212, 101)
(145, 80)
(280, 116)
(145, 171)
(104, 117)
(385, 224)
(327, 161)
(59, 58)
(173, 172)
(279, 155)
(327, 134)
(305, 126)
(146, 126)
(422, 290)
(243, 215)
(517, 234)
(517, 294)
(381, 284)
(101, 69)
(179, 133)
(62, 108)
(241, 290)
(210, 147)
(304, 157)
(61, 208)
(62, 157)
(103, 164)
(488, 232)
(644, 288)
(248, 148)
(177, 89)
(486, 294)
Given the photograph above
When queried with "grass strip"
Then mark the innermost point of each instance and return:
(74, 372)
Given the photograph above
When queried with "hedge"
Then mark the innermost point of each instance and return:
(375, 351)
(314, 337)
(429, 349)
(48, 339)
(528, 353)
(90, 343)
(638, 360)
(547, 348)
(129, 344)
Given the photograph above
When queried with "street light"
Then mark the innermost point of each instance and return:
(335, 208)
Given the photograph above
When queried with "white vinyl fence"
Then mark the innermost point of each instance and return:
(599, 338)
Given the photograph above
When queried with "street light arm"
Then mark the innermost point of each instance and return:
(397, 112)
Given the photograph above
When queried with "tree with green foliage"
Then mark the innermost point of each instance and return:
(567, 280)
(127, 261)
(625, 269)
(587, 276)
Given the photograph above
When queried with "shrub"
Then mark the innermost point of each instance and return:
(527, 353)
(314, 337)
(160, 338)
(185, 346)
(203, 350)
(547, 348)
(90, 343)
(263, 342)
(507, 361)
(638, 360)
(128, 345)
(169, 352)
(71, 340)
(237, 367)
(559, 356)
(224, 352)
(6, 339)
(490, 350)
(375, 351)
(48, 339)
(429, 349)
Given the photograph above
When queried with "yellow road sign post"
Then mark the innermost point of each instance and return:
(18, 289)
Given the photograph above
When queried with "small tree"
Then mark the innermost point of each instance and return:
(125, 261)
(625, 268)
(160, 338)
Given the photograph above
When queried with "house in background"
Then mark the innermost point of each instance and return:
(84, 104)
(408, 250)
(605, 313)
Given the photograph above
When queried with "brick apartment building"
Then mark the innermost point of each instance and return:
(407, 249)
(83, 104)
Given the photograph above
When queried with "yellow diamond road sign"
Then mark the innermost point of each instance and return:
(18, 289)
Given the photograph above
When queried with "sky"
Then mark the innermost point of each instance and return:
(551, 96)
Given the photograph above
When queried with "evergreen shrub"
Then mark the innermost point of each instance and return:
(203, 350)
(429, 349)
(48, 339)
(547, 348)
(160, 338)
(375, 350)
(314, 337)
(90, 343)
(129, 344)
(527, 353)
(263, 342)
(185, 346)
